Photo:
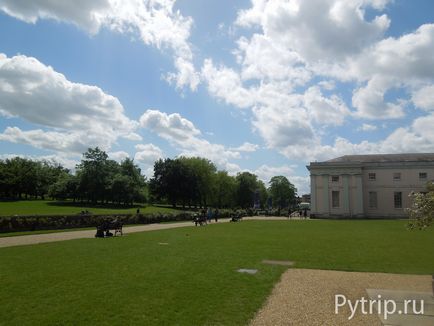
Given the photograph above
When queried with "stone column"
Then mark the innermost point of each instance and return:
(359, 195)
(325, 186)
(346, 196)
(313, 193)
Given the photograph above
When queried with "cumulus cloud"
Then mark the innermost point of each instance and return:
(187, 139)
(169, 126)
(317, 29)
(288, 70)
(147, 154)
(118, 156)
(226, 84)
(423, 98)
(154, 21)
(82, 115)
(65, 161)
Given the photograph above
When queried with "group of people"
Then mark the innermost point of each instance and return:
(206, 216)
(299, 212)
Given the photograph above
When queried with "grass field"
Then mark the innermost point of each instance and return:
(192, 281)
(48, 207)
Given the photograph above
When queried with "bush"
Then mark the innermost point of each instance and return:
(56, 222)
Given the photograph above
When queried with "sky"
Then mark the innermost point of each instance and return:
(259, 86)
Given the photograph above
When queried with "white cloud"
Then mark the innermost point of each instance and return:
(323, 110)
(68, 142)
(118, 156)
(370, 104)
(83, 13)
(169, 126)
(367, 127)
(246, 147)
(66, 162)
(318, 29)
(187, 139)
(147, 154)
(226, 84)
(266, 172)
(82, 115)
(423, 98)
(154, 21)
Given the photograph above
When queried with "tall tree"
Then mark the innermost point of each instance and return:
(282, 191)
(94, 174)
(247, 186)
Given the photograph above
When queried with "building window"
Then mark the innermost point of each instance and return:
(423, 176)
(397, 199)
(372, 176)
(335, 199)
(397, 176)
(372, 199)
(335, 178)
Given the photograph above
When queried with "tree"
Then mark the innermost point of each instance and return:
(282, 191)
(225, 187)
(201, 173)
(247, 185)
(94, 174)
(421, 212)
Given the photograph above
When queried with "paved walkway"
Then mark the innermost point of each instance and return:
(69, 235)
(307, 297)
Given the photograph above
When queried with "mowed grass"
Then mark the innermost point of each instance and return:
(49, 207)
(136, 280)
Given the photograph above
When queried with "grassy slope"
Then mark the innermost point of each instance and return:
(47, 207)
(192, 281)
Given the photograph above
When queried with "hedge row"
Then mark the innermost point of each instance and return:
(56, 222)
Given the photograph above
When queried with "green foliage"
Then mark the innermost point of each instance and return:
(247, 188)
(421, 212)
(282, 191)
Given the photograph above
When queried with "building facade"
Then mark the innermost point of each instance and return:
(368, 186)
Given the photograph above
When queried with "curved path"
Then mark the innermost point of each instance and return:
(69, 235)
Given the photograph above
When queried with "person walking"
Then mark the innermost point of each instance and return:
(216, 215)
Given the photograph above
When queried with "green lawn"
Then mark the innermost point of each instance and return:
(192, 281)
(49, 207)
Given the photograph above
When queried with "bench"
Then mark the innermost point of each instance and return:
(103, 230)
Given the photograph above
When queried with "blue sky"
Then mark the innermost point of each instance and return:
(263, 86)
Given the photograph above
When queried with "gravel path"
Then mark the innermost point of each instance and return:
(307, 297)
(70, 235)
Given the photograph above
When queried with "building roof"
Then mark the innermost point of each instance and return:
(378, 158)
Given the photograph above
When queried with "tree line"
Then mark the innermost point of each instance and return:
(182, 181)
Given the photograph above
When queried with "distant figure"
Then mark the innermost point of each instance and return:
(289, 213)
(300, 213)
(216, 215)
(203, 215)
(305, 213)
(209, 214)
(138, 211)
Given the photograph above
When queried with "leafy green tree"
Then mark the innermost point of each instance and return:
(201, 175)
(263, 193)
(94, 174)
(282, 191)
(225, 189)
(421, 212)
(247, 186)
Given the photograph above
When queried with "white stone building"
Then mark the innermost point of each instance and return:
(371, 186)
